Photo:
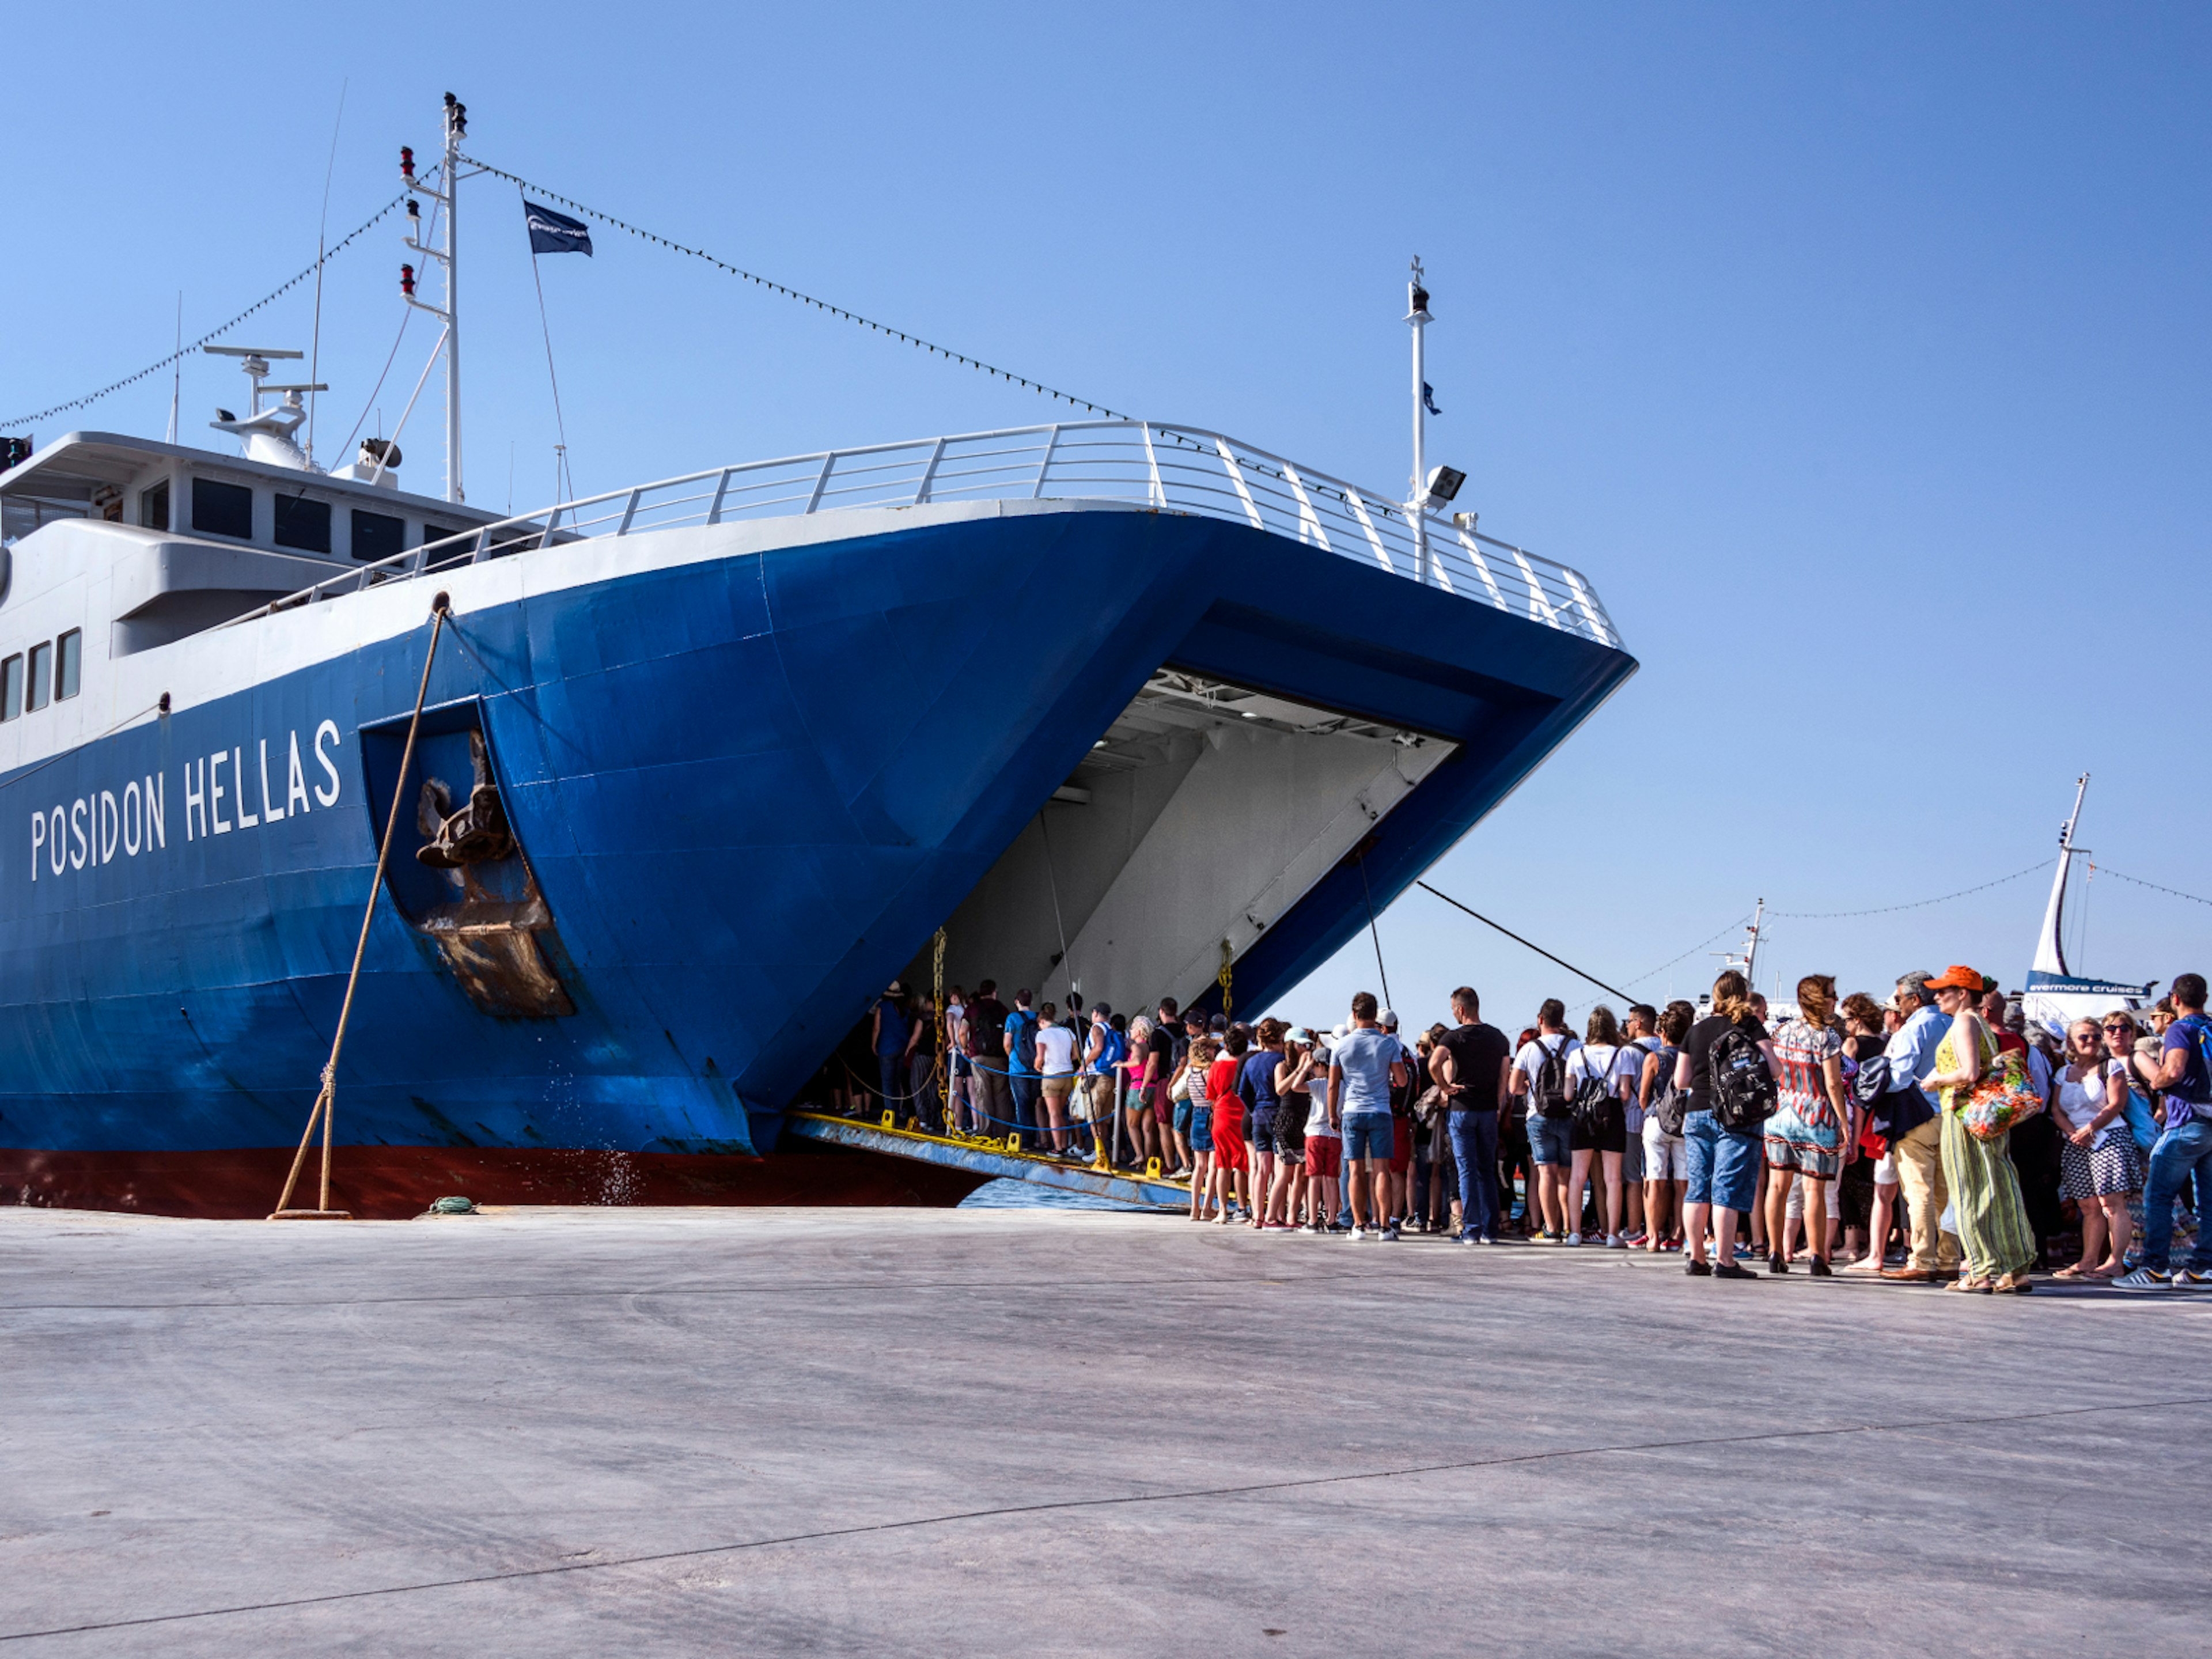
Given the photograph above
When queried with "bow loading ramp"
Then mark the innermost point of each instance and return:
(989, 1156)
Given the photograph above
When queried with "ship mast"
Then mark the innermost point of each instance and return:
(2049, 953)
(447, 256)
(1417, 314)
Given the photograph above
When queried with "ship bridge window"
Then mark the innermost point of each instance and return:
(11, 687)
(303, 525)
(153, 507)
(378, 536)
(222, 509)
(40, 680)
(69, 664)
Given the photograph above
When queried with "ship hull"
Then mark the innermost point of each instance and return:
(749, 773)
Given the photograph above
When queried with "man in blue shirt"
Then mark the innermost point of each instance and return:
(2184, 1148)
(1911, 1055)
(1365, 1065)
(1022, 1079)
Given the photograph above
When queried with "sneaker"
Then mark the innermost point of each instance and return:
(1465, 1238)
(1360, 1235)
(1487, 1238)
(1388, 1235)
(1743, 1252)
(1635, 1238)
(2188, 1279)
(2146, 1278)
(1696, 1269)
(1615, 1242)
(1572, 1238)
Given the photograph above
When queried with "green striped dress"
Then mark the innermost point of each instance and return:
(1994, 1236)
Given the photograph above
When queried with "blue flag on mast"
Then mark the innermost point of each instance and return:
(554, 232)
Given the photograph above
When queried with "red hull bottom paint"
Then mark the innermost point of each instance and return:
(391, 1183)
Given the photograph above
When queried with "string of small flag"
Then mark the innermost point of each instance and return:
(2175, 892)
(790, 293)
(91, 397)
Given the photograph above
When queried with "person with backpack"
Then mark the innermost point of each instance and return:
(1263, 1110)
(1018, 1043)
(1996, 1242)
(1665, 1160)
(1470, 1064)
(1810, 1134)
(1641, 1030)
(2184, 1145)
(887, 1034)
(1870, 1180)
(1104, 1048)
(1728, 1068)
(1539, 1076)
(1599, 1073)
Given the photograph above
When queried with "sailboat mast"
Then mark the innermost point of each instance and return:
(2050, 953)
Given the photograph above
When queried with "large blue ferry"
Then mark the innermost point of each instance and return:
(1111, 703)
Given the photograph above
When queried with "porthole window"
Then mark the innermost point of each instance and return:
(222, 509)
(69, 664)
(302, 524)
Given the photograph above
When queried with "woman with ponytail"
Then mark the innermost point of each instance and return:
(1723, 1162)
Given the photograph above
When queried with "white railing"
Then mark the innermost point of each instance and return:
(1176, 468)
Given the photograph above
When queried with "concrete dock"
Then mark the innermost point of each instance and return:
(940, 1432)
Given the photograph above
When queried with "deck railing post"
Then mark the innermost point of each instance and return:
(1044, 465)
(722, 489)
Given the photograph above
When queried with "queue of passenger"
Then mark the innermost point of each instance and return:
(1932, 1137)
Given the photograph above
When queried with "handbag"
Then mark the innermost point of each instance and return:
(2003, 1098)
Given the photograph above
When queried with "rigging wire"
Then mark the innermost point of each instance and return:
(183, 352)
(1375, 933)
(544, 327)
(790, 293)
(1916, 904)
(322, 237)
(1518, 940)
(406, 316)
(2172, 892)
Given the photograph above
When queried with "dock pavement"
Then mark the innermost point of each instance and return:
(1063, 1432)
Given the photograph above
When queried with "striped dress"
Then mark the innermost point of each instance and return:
(1994, 1236)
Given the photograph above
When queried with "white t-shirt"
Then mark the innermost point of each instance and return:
(1530, 1060)
(1631, 1066)
(1057, 1048)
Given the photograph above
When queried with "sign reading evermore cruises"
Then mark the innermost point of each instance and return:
(230, 789)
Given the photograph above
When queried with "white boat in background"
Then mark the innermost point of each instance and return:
(2055, 996)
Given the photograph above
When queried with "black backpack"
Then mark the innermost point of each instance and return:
(1549, 1087)
(986, 1025)
(1743, 1092)
(1669, 1104)
(1594, 1096)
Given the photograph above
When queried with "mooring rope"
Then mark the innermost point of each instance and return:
(326, 1101)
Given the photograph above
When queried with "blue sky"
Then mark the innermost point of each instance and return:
(1858, 354)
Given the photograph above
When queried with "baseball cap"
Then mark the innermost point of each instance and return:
(1957, 977)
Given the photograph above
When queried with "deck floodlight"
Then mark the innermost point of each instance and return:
(1443, 484)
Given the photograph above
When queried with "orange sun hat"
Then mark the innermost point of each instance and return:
(1957, 977)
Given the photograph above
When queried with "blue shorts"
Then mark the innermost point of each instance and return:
(1202, 1128)
(1550, 1140)
(1724, 1163)
(1182, 1118)
(1369, 1135)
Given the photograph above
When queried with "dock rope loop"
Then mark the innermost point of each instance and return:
(326, 1108)
(1228, 961)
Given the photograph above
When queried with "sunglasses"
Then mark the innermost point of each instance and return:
(2121, 1029)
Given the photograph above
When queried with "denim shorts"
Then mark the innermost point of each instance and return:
(1550, 1140)
(1370, 1135)
(1724, 1163)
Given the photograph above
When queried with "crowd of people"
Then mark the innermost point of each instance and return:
(1937, 1137)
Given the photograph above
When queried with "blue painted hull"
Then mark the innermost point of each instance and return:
(748, 789)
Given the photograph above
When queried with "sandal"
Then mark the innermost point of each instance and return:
(2014, 1284)
(2077, 1271)
(1971, 1287)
